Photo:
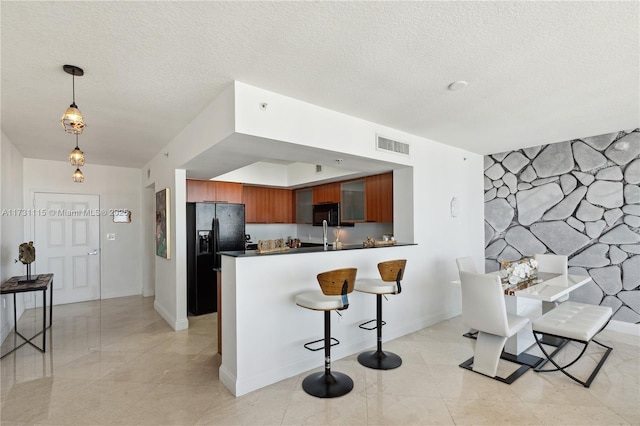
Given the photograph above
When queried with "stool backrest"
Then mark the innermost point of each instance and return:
(332, 282)
(392, 270)
(554, 263)
(466, 264)
(483, 306)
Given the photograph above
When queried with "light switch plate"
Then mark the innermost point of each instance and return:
(111, 237)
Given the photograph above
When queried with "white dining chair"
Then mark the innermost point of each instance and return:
(467, 264)
(483, 308)
(556, 264)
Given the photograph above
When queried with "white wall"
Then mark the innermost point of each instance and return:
(148, 242)
(11, 228)
(119, 188)
(423, 184)
(212, 125)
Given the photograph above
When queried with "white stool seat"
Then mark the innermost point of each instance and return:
(319, 301)
(573, 320)
(376, 286)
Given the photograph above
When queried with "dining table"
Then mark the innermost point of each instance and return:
(533, 298)
(546, 286)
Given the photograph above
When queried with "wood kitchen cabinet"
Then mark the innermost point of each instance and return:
(379, 197)
(251, 202)
(230, 192)
(278, 205)
(199, 191)
(208, 190)
(326, 193)
(267, 205)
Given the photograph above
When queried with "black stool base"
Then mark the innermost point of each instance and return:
(327, 385)
(380, 360)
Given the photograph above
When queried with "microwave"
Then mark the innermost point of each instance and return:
(327, 211)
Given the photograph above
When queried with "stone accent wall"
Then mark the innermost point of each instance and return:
(579, 198)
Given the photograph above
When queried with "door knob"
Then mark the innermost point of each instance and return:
(93, 253)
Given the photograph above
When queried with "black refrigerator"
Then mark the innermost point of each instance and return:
(211, 228)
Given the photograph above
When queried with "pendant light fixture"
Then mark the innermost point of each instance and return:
(76, 158)
(72, 120)
(78, 177)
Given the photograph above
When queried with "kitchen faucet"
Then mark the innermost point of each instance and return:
(324, 234)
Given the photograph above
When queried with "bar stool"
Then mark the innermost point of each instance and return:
(391, 273)
(335, 286)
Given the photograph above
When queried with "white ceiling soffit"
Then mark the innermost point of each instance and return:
(537, 72)
(239, 150)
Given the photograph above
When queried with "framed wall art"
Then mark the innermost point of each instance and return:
(163, 223)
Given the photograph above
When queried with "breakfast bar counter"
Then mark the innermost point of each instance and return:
(263, 330)
(317, 248)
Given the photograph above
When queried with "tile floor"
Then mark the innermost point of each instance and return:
(117, 362)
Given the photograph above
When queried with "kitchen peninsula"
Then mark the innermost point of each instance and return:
(263, 330)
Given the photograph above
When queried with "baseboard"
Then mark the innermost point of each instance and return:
(116, 295)
(227, 379)
(177, 325)
(624, 327)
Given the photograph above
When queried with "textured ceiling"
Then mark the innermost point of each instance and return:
(538, 72)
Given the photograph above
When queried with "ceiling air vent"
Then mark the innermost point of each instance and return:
(318, 168)
(385, 144)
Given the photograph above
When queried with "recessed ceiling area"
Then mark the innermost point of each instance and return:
(238, 157)
(539, 71)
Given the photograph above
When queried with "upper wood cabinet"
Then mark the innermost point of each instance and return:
(379, 197)
(199, 191)
(251, 203)
(278, 205)
(267, 205)
(326, 193)
(208, 190)
(230, 192)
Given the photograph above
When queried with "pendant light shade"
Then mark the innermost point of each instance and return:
(72, 120)
(78, 177)
(76, 158)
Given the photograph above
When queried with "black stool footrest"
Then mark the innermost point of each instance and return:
(362, 326)
(307, 345)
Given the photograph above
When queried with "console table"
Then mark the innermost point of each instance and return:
(14, 286)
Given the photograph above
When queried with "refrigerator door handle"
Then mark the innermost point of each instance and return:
(216, 239)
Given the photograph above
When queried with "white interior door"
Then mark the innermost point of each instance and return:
(67, 237)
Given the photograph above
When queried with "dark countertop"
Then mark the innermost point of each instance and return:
(320, 249)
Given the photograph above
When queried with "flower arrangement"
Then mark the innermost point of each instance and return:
(524, 270)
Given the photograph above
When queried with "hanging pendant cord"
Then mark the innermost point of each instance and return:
(73, 80)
